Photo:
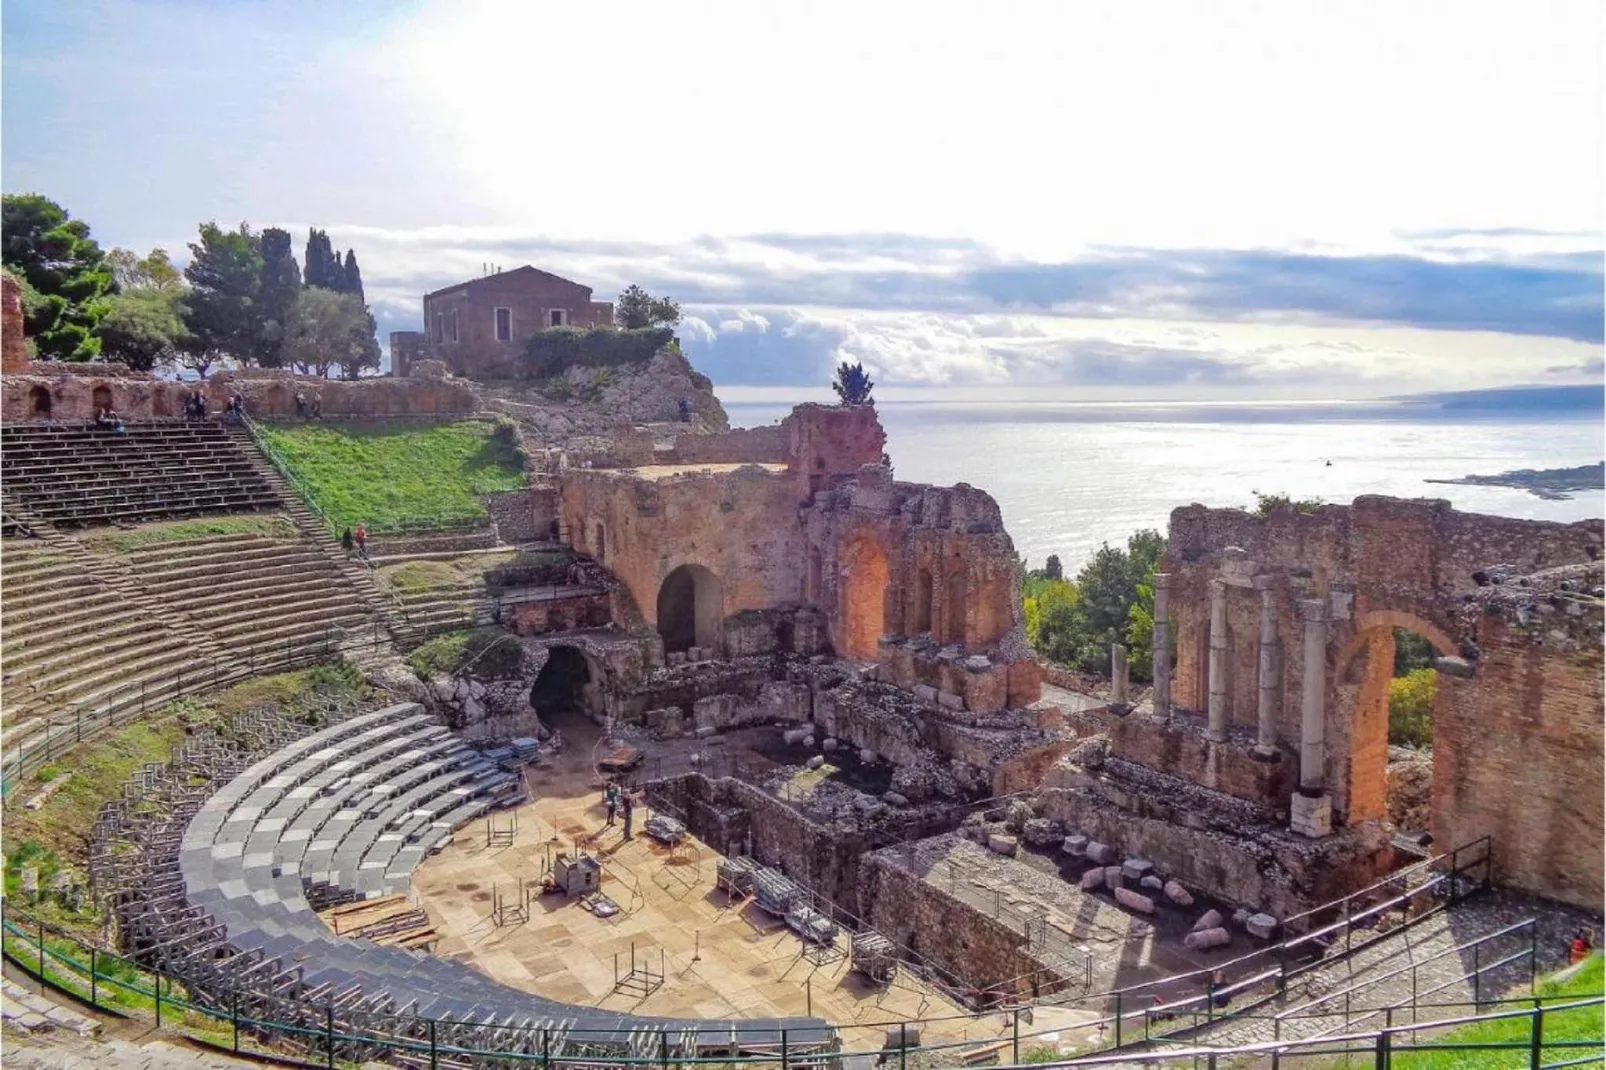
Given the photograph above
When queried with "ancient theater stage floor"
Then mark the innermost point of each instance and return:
(719, 962)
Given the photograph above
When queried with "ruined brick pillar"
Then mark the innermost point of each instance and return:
(1270, 671)
(1310, 809)
(13, 345)
(1218, 661)
(1119, 673)
(1162, 644)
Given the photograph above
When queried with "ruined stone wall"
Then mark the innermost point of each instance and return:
(742, 445)
(562, 615)
(135, 396)
(1517, 755)
(514, 512)
(13, 345)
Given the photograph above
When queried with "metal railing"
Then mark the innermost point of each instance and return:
(115, 983)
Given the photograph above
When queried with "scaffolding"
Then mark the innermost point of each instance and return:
(641, 980)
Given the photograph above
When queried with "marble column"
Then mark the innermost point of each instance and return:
(1119, 673)
(1313, 710)
(1162, 644)
(1218, 661)
(1270, 676)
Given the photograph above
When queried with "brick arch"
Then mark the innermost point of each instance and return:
(1379, 620)
(865, 576)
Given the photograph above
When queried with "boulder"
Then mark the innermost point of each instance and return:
(950, 701)
(829, 744)
(1016, 817)
(1240, 916)
(1093, 879)
(704, 731)
(1178, 894)
(866, 756)
(925, 693)
(1134, 901)
(1151, 883)
(1205, 939)
(978, 663)
(814, 762)
(1099, 853)
(1262, 925)
(1135, 869)
(1112, 877)
(1075, 845)
(795, 736)
(892, 798)
(1210, 919)
(1002, 844)
(1041, 832)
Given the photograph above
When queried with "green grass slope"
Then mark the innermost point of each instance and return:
(388, 476)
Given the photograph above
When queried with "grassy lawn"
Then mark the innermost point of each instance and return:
(385, 475)
(491, 652)
(268, 526)
(412, 577)
(1585, 1023)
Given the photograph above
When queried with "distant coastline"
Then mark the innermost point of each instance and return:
(1552, 484)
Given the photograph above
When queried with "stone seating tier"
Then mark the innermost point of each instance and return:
(350, 811)
(84, 475)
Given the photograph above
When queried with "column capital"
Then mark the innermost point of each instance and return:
(1162, 581)
(1265, 582)
(1313, 610)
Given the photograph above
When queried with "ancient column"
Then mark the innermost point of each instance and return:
(1218, 661)
(1266, 726)
(1119, 671)
(1162, 644)
(1313, 712)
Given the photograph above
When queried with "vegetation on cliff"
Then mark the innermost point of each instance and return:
(637, 309)
(1110, 601)
(853, 384)
(388, 476)
(554, 351)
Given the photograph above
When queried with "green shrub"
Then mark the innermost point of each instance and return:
(553, 351)
(439, 656)
(1266, 504)
(1411, 708)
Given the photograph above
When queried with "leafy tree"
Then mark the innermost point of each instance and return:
(636, 309)
(1050, 615)
(326, 331)
(1411, 700)
(225, 276)
(1411, 652)
(276, 305)
(65, 271)
(1114, 603)
(853, 384)
(1053, 569)
(154, 271)
(144, 327)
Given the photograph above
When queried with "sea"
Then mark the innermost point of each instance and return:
(1071, 476)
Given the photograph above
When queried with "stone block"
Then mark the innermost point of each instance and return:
(978, 663)
(925, 693)
(892, 798)
(1454, 666)
(867, 756)
(1261, 925)
(1178, 894)
(794, 736)
(1099, 853)
(694, 653)
(676, 658)
(950, 701)
(1003, 844)
(1134, 901)
(1205, 939)
(1093, 879)
(1151, 883)
(829, 744)
(1135, 869)
(1309, 816)
(1239, 917)
(815, 762)
(1075, 845)
(1112, 877)
(1210, 919)
(704, 731)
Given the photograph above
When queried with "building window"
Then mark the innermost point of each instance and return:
(454, 324)
(559, 317)
(504, 325)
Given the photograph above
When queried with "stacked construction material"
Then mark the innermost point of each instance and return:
(736, 875)
(665, 830)
(874, 956)
(811, 925)
(774, 893)
(525, 749)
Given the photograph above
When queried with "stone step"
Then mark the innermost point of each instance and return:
(65, 681)
(71, 642)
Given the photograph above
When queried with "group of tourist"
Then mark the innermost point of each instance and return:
(355, 540)
(108, 420)
(312, 409)
(195, 405)
(234, 411)
(618, 798)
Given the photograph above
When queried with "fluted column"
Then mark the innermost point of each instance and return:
(1313, 710)
(1162, 644)
(1270, 676)
(1218, 661)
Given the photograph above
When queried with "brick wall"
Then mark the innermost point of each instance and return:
(13, 346)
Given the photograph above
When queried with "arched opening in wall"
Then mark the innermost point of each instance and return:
(864, 598)
(563, 687)
(599, 545)
(1385, 674)
(953, 610)
(100, 398)
(39, 400)
(690, 609)
(922, 617)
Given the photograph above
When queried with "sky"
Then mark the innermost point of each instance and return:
(1284, 199)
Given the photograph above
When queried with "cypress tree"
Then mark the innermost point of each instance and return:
(276, 302)
(352, 276)
(323, 267)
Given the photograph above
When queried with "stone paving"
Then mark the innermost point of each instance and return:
(720, 960)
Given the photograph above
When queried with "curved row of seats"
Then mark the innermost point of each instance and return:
(76, 474)
(350, 811)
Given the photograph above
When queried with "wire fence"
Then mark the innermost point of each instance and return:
(108, 981)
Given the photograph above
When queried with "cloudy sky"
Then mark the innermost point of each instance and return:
(1144, 199)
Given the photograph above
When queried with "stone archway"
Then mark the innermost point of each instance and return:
(564, 685)
(100, 398)
(40, 397)
(1362, 673)
(691, 605)
(864, 598)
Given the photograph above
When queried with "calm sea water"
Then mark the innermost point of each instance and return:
(1069, 477)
